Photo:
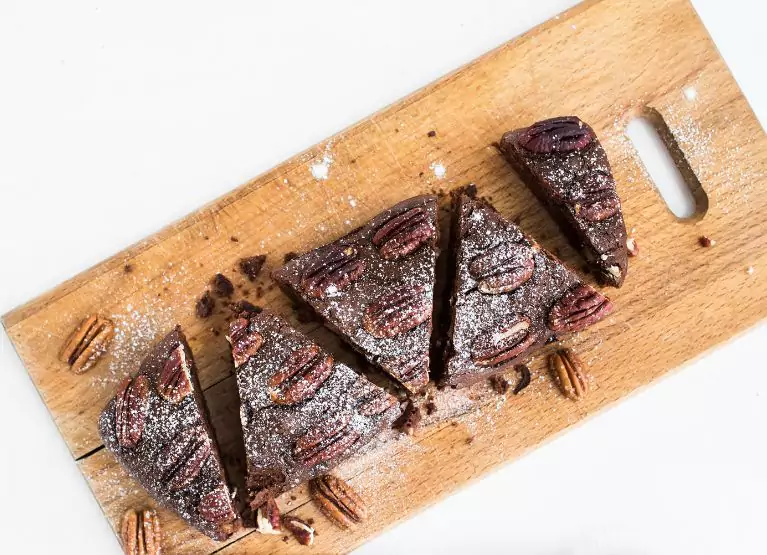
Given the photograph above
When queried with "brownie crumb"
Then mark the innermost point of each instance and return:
(245, 308)
(706, 242)
(222, 286)
(206, 237)
(396, 130)
(632, 247)
(470, 191)
(259, 292)
(289, 256)
(127, 268)
(353, 161)
(431, 134)
(524, 378)
(469, 440)
(251, 266)
(420, 174)
(500, 384)
(285, 539)
(293, 497)
(310, 521)
(234, 239)
(205, 305)
(430, 407)
(408, 423)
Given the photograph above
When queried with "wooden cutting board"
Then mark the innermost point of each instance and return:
(605, 61)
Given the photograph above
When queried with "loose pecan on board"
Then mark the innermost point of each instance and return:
(87, 344)
(140, 533)
(570, 372)
(338, 501)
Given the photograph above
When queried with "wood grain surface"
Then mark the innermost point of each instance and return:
(605, 61)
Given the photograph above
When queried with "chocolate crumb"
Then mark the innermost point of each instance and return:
(470, 191)
(251, 266)
(500, 384)
(420, 174)
(222, 286)
(289, 256)
(469, 440)
(242, 308)
(205, 305)
(310, 521)
(353, 161)
(234, 239)
(410, 419)
(396, 130)
(293, 497)
(430, 407)
(206, 237)
(431, 133)
(704, 241)
(285, 539)
(127, 268)
(524, 378)
(632, 247)
(454, 424)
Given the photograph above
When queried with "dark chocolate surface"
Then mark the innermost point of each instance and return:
(163, 424)
(343, 310)
(272, 431)
(566, 180)
(478, 229)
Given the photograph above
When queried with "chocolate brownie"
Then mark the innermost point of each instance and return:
(375, 287)
(158, 429)
(302, 413)
(510, 296)
(564, 164)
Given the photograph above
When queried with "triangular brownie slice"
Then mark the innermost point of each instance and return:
(158, 429)
(564, 164)
(510, 296)
(375, 287)
(302, 413)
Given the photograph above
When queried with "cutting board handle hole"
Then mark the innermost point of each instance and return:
(667, 165)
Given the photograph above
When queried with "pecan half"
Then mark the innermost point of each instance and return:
(175, 381)
(327, 440)
(87, 344)
(268, 520)
(300, 529)
(578, 308)
(563, 134)
(596, 199)
(335, 268)
(181, 460)
(397, 312)
(503, 268)
(338, 501)
(372, 400)
(244, 343)
(216, 506)
(404, 234)
(411, 371)
(570, 373)
(301, 375)
(508, 341)
(140, 533)
(131, 405)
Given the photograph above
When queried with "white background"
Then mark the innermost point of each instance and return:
(119, 117)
